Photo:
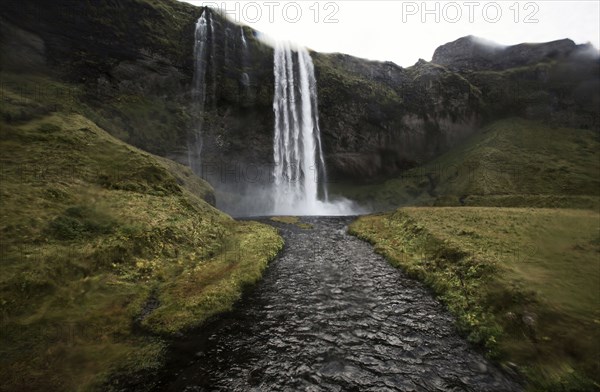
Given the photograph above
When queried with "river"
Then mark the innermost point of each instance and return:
(331, 315)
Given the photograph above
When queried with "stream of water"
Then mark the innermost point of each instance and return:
(331, 315)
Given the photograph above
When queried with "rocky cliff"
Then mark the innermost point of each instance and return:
(131, 57)
(134, 59)
(379, 119)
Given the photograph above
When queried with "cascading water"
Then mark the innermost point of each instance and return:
(244, 43)
(199, 90)
(299, 172)
(213, 68)
(245, 78)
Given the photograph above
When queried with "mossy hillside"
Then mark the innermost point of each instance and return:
(96, 238)
(144, 121)
(515, 156)
(147, 122)
(211, 287)
(512, 162)
(521, 282)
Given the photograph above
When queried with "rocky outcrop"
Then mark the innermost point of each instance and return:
(472, 53)
(556, 82)
(378, 119)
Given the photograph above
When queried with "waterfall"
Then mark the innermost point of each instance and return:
(298, 176)
(213, 68)
(245, 78)
(299, 170)
(244, 43)
(199, 90)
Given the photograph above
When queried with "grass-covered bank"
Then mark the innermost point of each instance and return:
(523, 283)
(99, 239)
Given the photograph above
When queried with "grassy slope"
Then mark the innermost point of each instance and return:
(523, 283)
(96, 234)
(512, 163)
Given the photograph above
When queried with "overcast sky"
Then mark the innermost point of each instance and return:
(404, 31)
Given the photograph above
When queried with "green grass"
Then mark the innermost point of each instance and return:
(98, 237)
(510, 163)
(211, 287)
(148, 122)
(292, 220)
(523, 283)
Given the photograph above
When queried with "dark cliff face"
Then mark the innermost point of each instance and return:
(131, 58)
(86, 39)
(134, 60)
(238, 117)
(378, 119)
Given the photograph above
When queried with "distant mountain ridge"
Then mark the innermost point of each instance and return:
(474, 53)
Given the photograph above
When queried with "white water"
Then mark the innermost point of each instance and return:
(299, 172)
(245, 78)
(198, 89)
(213, 67)
(243, 38)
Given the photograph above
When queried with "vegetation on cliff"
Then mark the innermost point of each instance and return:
(131, 61)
